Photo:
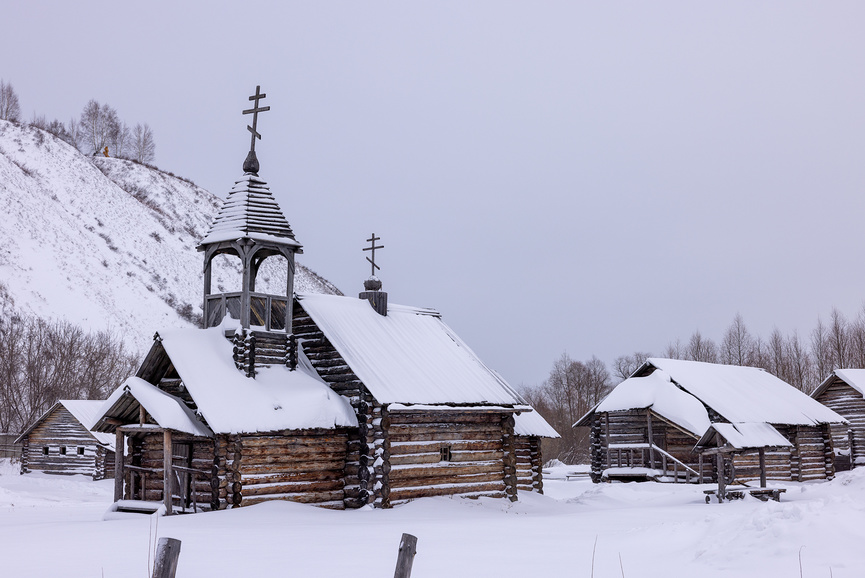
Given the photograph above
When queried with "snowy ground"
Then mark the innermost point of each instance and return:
(52, 525)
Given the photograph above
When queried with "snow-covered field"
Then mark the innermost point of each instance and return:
(52, 526)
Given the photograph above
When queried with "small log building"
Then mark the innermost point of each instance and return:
(648, 426)
(330, 400)
(843, 392)
(60, 442)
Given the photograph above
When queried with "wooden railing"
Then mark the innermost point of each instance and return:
(133, 472)
(264, 309)
(651, 454)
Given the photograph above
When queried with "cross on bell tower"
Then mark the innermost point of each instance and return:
(250, 165)
(250, 226)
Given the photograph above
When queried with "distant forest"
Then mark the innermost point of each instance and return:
(575, 387)
(99, 129)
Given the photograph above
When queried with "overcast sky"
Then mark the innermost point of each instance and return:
(552, 176)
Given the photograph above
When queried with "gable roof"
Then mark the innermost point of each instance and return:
(250, 211)
(744, 394)
(742, 436)
(166, 410)
(408, 356)
(855, 378)
(658, 393)
(85, 411)
(230, 402)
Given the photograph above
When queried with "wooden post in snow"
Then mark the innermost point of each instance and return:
(762, 467)
(119, 442)
(167, 555)
(405, 558)
(166, 471)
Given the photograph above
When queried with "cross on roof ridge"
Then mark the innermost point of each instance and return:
(372, 248)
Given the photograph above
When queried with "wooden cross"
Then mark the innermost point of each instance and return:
(372, 248)
(254, 112)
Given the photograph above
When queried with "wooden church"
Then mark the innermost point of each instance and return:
(335, 401)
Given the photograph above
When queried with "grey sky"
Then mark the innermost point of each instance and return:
(552, 177)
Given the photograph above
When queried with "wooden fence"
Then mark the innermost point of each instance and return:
(8, 447)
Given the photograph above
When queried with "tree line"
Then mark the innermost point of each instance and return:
(43, 361)
(574, 387)
(98, 130)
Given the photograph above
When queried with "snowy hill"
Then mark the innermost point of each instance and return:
(108, 243)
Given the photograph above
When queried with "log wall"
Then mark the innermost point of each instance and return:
(363, 483)
(59, 430)
(529, 464)
(477, 454)
(848, 441)
(299, 466)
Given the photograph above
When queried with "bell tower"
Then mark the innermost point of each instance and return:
(251, 227)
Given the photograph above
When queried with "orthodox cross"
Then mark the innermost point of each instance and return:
(372, 248)
(254, 112)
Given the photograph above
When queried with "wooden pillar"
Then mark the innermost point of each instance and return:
(722, 483)
(119, 442)
(509, 458)
(207, 274)
(762, 467)
(607, 439)
(166, 471)
(289, 291)
(651, 439)
(245, 303)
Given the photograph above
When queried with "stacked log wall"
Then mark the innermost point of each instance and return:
(59, 430)
(305, 466)
(778, 464)
(363, 484)
(850, 404)
(477, 452)
(147, 452)
(529, 464)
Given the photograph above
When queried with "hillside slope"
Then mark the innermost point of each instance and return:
(108, 243)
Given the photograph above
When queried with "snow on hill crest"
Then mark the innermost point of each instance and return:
(109, 243)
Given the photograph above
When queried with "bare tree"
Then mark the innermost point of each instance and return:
(625, 365)
(701, 349)
(839, 340)
(143, 147)
(675, 350)
(98, 127)
(10, 109)
(737, 343)
(821, 349)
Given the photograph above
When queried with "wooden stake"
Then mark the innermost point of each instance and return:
(167, 555)
(166, 473)
(405, 558)
(119, 442)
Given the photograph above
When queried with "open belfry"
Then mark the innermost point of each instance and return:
(323, 399)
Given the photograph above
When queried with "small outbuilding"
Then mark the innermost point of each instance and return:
(60, 442)
(843, 391)
(649, 425)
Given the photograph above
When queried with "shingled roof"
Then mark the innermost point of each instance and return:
(250, 211)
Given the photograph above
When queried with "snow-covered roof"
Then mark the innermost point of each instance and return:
(662, 396)
(86, 411)
(230, 402)
(531, 423)
(166, 410)
(408, 356)
(855, 378)
(250, 211)
(745, 394)
(743, 436)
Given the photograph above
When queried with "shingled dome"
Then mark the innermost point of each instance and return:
(250, 211)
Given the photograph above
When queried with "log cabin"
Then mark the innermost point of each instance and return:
(60, 442)
(843, 391)
(330, 400)
(649, 425)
